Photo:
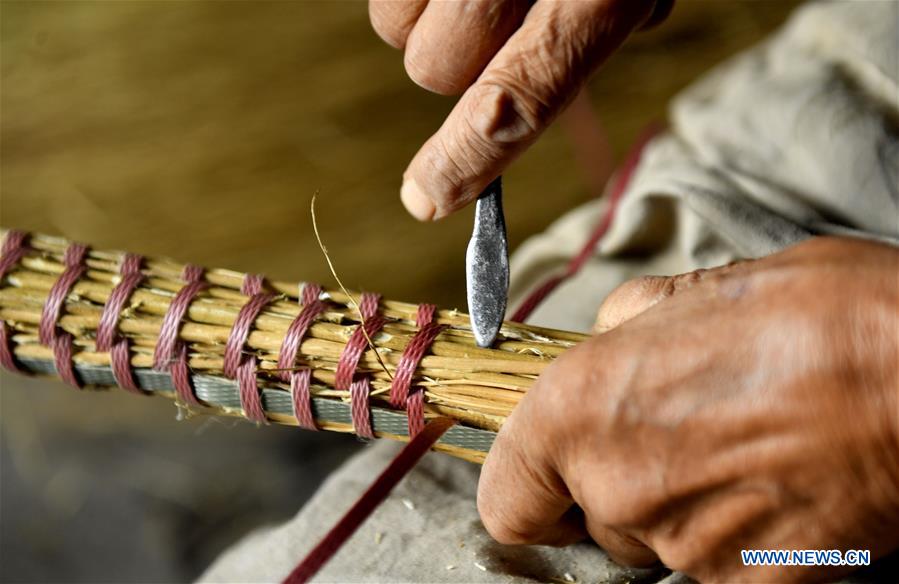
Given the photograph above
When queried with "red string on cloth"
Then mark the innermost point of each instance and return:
(243, 367)
(368, 502)
(170, 353)
(107, 340)
(299, 379)
(14, 248)
(413, 353)
(539, 294)
(49, 334)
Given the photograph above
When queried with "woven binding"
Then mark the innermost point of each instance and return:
(299, 379)
(49, 333)
(171, 354)
(107, 338)
(15, 246)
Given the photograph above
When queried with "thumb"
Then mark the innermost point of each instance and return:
(636, 296)
(525, 86)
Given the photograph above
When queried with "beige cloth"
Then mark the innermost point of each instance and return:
(794, 138)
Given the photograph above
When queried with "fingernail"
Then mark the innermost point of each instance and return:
(417, 203)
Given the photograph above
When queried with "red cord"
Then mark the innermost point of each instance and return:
(369, 501)
(14, 248)
(345, 376)
(49, 333)
(539, 294)
(299, 379)
(107, 339)
(402, 394)
(170, 354)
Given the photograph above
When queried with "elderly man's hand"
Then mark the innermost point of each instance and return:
(751, 406)
(519, 63)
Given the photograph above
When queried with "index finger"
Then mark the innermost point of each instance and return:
(521, 91)
(393, 20)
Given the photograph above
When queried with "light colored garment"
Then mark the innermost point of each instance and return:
(794, 138)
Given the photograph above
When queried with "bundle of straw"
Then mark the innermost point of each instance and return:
(476, 387)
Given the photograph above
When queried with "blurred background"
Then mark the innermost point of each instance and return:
(200, 131)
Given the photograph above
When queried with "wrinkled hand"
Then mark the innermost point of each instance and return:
(519, 64)
(754, 406)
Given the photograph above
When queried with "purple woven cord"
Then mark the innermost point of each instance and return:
(63, 350)
(49, 334)
(290, 346)
(301, 397)
(171, 354)
(402, 395)
(74, 269)
(250, 399)
(300, 379)
(356, 345)
(360, 410)
(167, 340)
(240, 330)
(121, 293)
(179, 369)
(240, 366)
(108, 339)
(14, 248)
(7, 356)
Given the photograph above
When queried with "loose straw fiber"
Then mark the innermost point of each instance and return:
(229, 366)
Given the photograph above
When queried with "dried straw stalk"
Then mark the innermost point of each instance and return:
(477, 387)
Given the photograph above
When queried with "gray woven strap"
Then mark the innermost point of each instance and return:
(221, 392)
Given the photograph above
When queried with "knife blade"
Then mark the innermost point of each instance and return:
(487, 266)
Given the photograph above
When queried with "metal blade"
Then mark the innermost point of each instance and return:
(487, 266)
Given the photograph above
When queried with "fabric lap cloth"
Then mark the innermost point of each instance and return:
(789, 140)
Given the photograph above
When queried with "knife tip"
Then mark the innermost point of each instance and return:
(485, 340)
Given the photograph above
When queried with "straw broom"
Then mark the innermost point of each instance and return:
(476, 387)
